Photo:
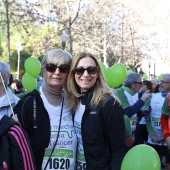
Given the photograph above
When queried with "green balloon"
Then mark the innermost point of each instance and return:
(145, 76)
(141, 157)
(107, 74)
(32, 66)
(160, 77)
(104, 69)
(29, 82)
(116, 76)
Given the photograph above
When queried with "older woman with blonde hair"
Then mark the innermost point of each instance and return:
(46, 116)
(98, 119)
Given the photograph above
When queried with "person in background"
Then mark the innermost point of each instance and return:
(165, 121)
(154, 83)
(6, 104)
(39, 82)
(19, 87)
(141, 133)
(129, 97)
(15, 150)
(46, 116)
(156, 90)
(13, 85)
(128, 132)
(98, 120)
(155, 135)
(11, 78)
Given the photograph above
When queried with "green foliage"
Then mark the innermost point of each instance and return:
(14, 60)
(97, 28)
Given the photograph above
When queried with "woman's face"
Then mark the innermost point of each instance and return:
(144, 87)
(87, 78)
(55, 77)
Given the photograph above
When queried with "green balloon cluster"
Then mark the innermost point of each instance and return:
(33, 68)
(141, 157)
(115, 75)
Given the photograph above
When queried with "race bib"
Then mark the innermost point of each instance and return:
(80, 159)
(81, 162)
(156, 124)
(61, 159)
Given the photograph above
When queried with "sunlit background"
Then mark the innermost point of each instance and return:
(132, 32)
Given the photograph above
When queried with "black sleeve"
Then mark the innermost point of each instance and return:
(21, 154)
(39, 135)
(115, 128)
(131, 110)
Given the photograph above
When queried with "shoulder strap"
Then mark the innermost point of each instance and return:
(34, 112)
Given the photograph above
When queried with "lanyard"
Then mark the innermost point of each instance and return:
(57, 135)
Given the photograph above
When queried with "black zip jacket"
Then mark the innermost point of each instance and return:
(34, 118)
(103, 134)
(15, 149)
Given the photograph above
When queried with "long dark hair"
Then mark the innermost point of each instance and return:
(149, 85)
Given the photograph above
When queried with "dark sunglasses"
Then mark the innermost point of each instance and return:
(52, 68)
(81, 70)
(138, 83)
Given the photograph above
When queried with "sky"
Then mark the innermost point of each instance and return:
(157, 12)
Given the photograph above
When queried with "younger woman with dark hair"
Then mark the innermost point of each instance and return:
(141, 134)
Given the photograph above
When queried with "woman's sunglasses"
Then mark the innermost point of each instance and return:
(52, 68)
(81, 70)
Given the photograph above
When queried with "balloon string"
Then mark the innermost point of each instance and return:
(7, 94)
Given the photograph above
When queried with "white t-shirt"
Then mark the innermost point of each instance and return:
(2, 98)
(132, 100)
(64, 153)
(80, 161)
(156, 107)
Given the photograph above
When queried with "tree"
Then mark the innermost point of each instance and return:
(112, 30)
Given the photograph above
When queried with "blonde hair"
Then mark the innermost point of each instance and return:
(56, 56)
(101, 88)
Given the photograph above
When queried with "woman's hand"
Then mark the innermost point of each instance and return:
(155, 138)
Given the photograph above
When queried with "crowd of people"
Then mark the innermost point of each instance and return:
(75, 121)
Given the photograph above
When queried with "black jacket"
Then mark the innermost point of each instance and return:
(103, 134)
(35, 120)
(15, 149)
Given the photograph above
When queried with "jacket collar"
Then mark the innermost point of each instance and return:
(129, 90)
(86, 98)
